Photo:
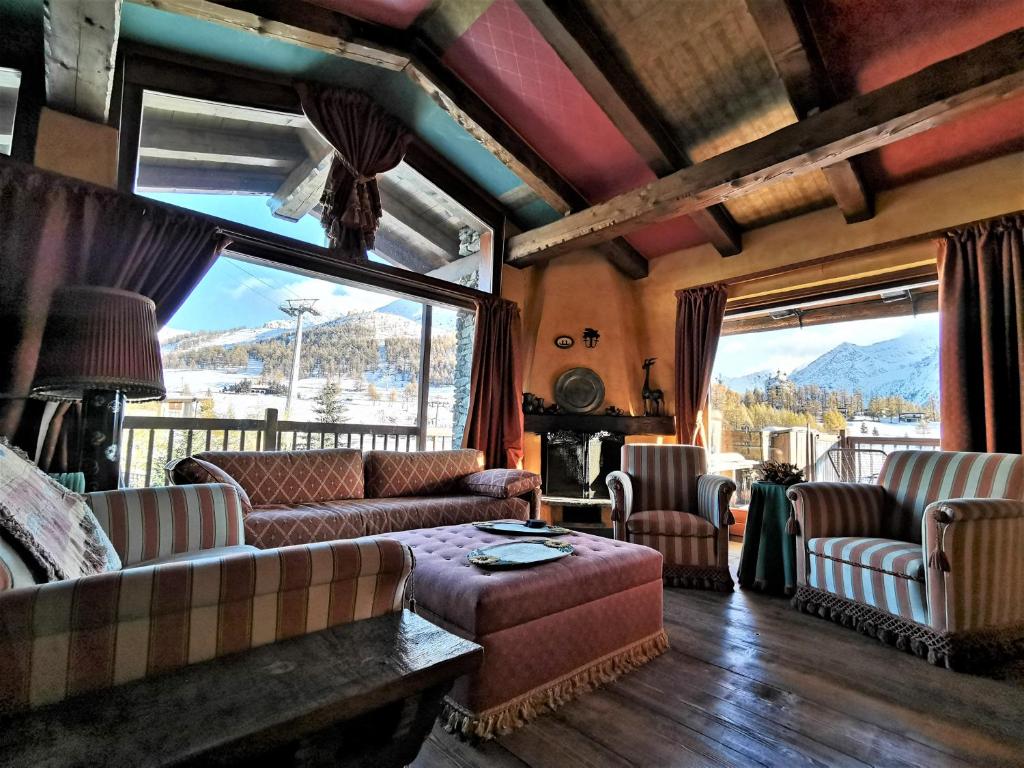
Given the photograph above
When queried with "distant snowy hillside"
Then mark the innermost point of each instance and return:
(907, 366)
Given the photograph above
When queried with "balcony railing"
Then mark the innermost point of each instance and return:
(150, 442)
(855, 459)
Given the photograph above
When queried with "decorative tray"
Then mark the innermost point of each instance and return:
(516, 528)
(519, 554)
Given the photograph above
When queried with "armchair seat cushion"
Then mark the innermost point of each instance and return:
(898, 558)
(668, 522)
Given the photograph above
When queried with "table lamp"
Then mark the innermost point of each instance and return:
(100, 346)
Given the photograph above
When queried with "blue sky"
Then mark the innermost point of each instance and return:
(238, 293)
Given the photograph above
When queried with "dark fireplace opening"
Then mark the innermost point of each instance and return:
(574, 465)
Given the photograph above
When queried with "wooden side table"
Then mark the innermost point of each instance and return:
(768, 557)
(360, 694)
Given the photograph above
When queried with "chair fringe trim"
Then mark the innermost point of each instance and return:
(517, 712)
(957, 651)
(698, 577)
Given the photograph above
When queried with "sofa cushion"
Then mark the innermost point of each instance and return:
(53, 529)
(670, 523)
(420, 473)
(501, 483)
(899, 558)
(282, 525)
(290, 477)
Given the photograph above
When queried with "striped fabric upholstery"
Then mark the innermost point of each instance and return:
(883, 555)
(664, 476)
(983, 542)
(149, 523)
(888, 591)
(669, 523)
(68, 637)
(713, 494)
(915, 479)
(695, 551)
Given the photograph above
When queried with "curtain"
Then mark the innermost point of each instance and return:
(699, 314)
(981, 337)
(367, 141)
(494, 424)
(58, 231)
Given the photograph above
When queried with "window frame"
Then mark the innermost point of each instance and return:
(141, 68)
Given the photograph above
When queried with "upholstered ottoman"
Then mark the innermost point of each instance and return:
(549, 632)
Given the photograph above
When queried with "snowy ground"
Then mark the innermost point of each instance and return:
(393, 405)
(891, 428)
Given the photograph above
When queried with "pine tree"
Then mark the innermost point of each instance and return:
(328, 406)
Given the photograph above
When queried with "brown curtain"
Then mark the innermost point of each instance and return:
(699, 314)
(495, 421)
(367, 141)
(981, 337)
(58, 231)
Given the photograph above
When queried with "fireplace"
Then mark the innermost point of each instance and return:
(574, 464)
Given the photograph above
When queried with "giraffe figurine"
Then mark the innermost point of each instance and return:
(653, 398)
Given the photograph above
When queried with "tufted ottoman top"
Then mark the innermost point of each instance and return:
(482, 601)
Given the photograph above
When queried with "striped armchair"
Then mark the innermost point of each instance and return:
(189, 591)
(664, 499)
(930, 558)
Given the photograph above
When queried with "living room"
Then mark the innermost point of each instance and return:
(512, 382)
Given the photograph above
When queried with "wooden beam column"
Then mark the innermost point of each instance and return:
(80, 39)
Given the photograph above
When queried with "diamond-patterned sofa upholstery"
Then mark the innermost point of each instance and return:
(403, 491)
(929, 557)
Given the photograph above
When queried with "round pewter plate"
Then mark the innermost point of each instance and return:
(579, 390)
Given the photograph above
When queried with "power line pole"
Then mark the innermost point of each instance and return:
(296, 308)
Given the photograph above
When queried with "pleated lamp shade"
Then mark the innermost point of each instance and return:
(99, 338)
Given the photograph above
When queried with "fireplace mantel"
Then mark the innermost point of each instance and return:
(541, 423)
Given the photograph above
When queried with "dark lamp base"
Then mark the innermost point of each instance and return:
(100, 454)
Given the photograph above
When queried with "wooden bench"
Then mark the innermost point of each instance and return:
(359, 694)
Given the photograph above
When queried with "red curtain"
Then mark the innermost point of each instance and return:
(981, 337)
(495, 421)
(367, 141)
(58, 231)
(699, 314)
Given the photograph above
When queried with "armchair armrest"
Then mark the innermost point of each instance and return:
(620, 488)
(147, 523)
(713, 494)
(837, 509)
(974, 549)
(69, 637)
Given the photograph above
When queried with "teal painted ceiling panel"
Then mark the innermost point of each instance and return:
(393, 90)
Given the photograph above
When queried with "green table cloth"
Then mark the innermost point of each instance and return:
(768, 558)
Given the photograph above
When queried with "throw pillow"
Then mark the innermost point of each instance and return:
(54, 528)
(501, 483)
(218, 475)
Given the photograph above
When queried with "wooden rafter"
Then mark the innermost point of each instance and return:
(302, 190)
(80, 46)
(787, 38)
(576, 39)
(988, 74)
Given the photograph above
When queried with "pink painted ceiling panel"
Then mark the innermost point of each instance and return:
(399, 14)
(508, 63)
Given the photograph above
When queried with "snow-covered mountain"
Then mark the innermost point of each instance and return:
(748, 381)
(907, 366)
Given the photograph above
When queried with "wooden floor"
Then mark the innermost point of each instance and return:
(750, 681)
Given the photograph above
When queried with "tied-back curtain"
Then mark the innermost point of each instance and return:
(367, 141)
(494, 424)
(981, 337)
(58, 231)
(699, 315)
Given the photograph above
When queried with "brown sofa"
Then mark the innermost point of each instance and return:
(298, 497)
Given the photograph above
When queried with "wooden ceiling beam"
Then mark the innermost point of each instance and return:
(573, 34)
(985, 75)
(80, 43)
(171, 141)
(302, 190)
(788, 39)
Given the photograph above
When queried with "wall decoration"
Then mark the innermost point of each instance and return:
(590, 337)
(564, 342)
(654, 399)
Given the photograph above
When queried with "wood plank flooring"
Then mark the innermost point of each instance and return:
(749, 681)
